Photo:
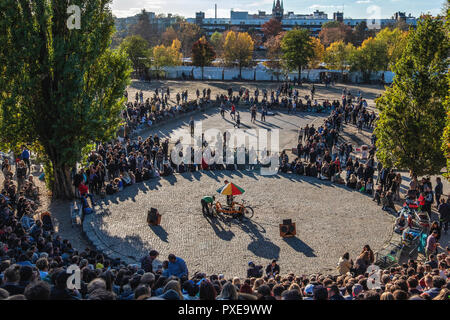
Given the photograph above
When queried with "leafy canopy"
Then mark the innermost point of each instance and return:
(297, 49)
(60, 89)
(413, 116)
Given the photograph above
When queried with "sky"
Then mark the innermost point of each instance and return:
(374, 9)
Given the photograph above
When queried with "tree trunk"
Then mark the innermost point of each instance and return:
(300, 75)
(62, 184)
(202, 73)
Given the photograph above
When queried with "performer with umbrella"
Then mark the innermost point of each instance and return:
(230, 190)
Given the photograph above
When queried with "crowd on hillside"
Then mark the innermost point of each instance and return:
(30, 271)
(34, 259)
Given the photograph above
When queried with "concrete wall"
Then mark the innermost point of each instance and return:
(262, 74)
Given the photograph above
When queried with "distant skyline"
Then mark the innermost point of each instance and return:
(352, 8)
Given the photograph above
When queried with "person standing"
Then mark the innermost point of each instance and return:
(264, 113)
(379, 168)
(233, 111)
(428, 200)
(238, 120)
(6, 167)
(253, 112)
(222, 110)
(191, 125)
(21, 175)
(432, 244)
(25, 156)
(444, 214)
(300, 135)
(438, 190)
(313, 91)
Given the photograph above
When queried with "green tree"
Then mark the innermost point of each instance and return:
(446, 137)
(138, 50)
(217, 42)
(202, 53)
(370, 57)
(337, 55)
(395, 41)
(412, 115)
(297, 49)
(60, 89)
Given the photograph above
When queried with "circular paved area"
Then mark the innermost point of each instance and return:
(330, 220)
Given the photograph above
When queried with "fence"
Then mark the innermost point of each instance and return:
(262, 74)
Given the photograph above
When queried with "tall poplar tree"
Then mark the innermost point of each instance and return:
(413, 117)
(61, 89)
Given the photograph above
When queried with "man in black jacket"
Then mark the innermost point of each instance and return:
(444, 214)
(273, 269)
(147, 261)
(254, 271)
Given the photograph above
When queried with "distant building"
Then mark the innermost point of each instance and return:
(160, 23)
(338, 16)
(400, 16)
(243, 20)
(239, 15)
(278, 10)
(199, 16)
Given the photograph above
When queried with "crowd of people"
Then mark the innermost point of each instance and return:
(41, 274)
(34, 259)
(158, 109)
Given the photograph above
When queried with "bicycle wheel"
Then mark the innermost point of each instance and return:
(248, 212)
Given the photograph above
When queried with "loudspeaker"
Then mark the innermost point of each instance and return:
(288, 229)
(153, 217)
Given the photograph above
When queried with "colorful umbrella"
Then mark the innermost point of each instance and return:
(231, 189)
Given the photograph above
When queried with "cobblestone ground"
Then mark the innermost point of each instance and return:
(330, 221)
